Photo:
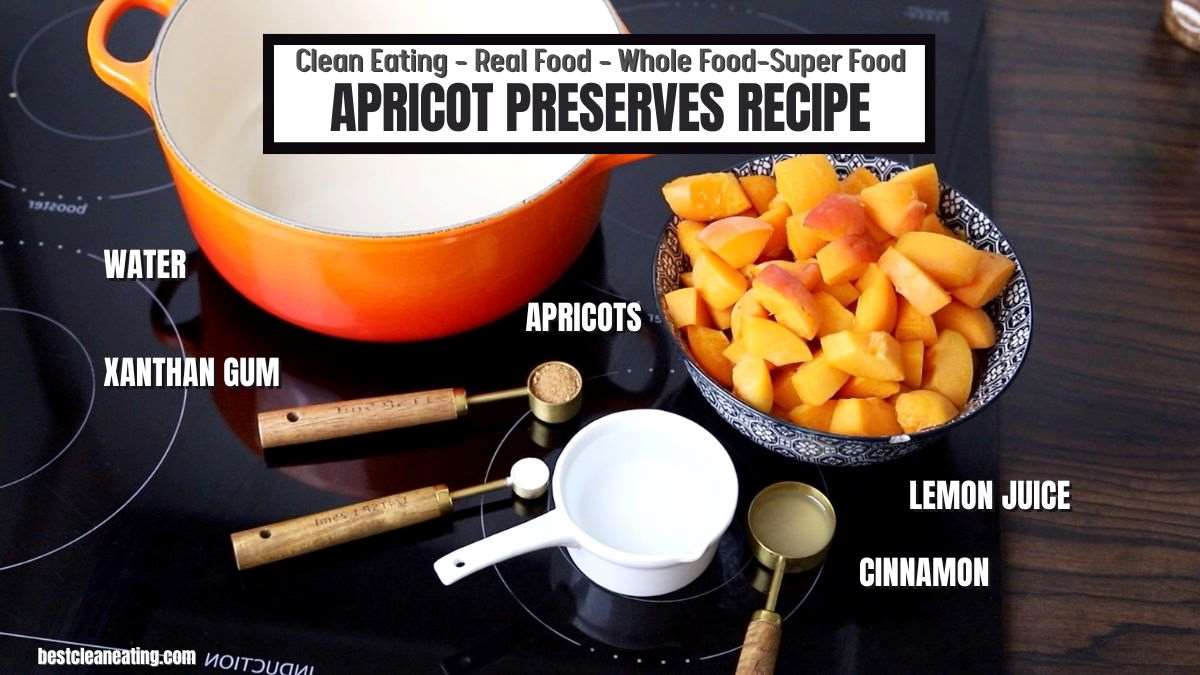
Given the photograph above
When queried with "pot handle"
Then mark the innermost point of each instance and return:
(545, 531)
(604, 163)
(131, 78)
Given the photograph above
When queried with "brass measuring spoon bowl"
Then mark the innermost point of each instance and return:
(554, 390)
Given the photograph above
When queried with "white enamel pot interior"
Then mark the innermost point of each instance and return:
(641, 498)
(207, 96)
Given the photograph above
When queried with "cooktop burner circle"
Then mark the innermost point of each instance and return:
(55, 291)
(76, 143)
(41, 61)
(11, 371)
(553, 592)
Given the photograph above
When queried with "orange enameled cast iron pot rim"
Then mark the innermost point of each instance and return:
(922, 435)
(577, 171)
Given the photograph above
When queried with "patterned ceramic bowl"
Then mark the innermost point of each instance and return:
(1012, 313)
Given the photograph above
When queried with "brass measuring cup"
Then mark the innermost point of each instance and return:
(791, 525)
(338, 419)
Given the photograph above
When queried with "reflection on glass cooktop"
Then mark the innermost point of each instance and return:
(116, 504)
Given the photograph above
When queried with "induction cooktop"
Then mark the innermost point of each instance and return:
(116, 505)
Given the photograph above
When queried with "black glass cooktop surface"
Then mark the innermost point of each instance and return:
(116, 505)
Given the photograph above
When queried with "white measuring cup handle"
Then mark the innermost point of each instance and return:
(545, 531)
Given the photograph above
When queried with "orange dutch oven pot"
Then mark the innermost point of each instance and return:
(202, 86)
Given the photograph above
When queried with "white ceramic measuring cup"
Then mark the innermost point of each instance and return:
(641, 499)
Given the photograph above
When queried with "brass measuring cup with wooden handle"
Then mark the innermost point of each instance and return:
(791, 525)
(554, 390)
(256, 546)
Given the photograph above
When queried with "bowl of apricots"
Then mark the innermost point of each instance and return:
(840, 309)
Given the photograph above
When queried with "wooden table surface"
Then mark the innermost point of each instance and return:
(1096, 141)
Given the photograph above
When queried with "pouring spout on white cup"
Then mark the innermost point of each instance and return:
(641, 499)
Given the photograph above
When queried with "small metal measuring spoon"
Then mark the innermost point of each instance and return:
(554, 389)
(256, 546)
(791, 525)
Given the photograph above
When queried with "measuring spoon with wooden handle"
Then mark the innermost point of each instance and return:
(256, 546)
(338, 419)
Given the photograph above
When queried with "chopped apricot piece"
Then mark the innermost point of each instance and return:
(722, 316)
(708, 348)
(706, 196)
(865, 387)
(687, 279)
(911, 324)
(804, 180)
(845, 292)
(786, 396)
(913, 283)
(747, 305)
(818, 380)
(687, 308)
(688, 232)
(760, 189)
(837, 216)
(751, 271)
(735, 351)
(776, 217)
(813, 416)
(858, 179)
(875, 355)
(803, 242)
(949, 368)
(738, 239)
(973, 323)
(832, 317)
(894, 207)
(719, 284)
(931, 223)
(949, 261)
(924, 180)
(923, 409)
(864, 417)
(876, 309)
(912, 355)
(992, 276)
(809, 274)
(879, 235)
(752, 383)
(788, 299)
(769, 340)
(846, 258)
